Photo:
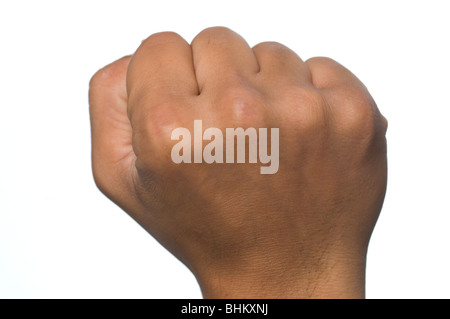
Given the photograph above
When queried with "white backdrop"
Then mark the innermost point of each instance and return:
(61, 238)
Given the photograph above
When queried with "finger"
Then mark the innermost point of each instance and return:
(161, 71)
(280, 64)
(220, 56)
(327, 73)
(336, 82)
(112, 152)
(341, 87)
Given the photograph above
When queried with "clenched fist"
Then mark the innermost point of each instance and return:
(262, 173)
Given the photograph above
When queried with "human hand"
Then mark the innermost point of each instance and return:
(301, 231)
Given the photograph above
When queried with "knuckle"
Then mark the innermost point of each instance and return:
(159, 38)
(211, 35)
(101, 77)
(321, 60)
(245, 106)
(270, 46)
(110, 75)
(274, 50)
(384, 123)
(306, 109)
(213, 31)
(306, 97)
(356, 116)
(152, 129)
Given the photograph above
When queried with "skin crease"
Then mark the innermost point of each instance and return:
(300, 233)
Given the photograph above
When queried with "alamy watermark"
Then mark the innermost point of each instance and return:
(213, 152)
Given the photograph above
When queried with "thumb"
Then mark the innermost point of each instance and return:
(113, 158)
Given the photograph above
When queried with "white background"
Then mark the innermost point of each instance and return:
(61, 238)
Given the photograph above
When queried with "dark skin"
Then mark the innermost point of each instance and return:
(302, 232)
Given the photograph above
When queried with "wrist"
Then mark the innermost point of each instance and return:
(331, 278)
